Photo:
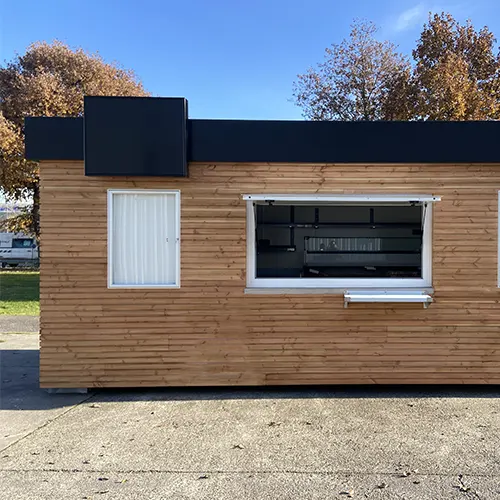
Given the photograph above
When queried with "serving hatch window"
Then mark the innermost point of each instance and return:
(340, 242)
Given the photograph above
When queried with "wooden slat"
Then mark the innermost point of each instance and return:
(209, 332)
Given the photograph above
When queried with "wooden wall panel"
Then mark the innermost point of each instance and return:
(209, 332)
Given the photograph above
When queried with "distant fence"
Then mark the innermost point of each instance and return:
(35, 266)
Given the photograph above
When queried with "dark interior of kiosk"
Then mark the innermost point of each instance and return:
(339, 240)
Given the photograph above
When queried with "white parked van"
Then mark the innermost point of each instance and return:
(17, 249)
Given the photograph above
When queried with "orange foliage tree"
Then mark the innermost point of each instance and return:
(454, 75)
(50, 79)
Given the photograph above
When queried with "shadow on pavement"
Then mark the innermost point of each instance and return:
(19, 386)
(295, 392)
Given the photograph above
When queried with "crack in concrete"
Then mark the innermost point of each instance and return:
(263, 472)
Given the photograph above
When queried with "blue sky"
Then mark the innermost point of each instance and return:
(231, 59)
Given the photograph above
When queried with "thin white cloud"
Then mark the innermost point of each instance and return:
(410, 17)
(414, 18)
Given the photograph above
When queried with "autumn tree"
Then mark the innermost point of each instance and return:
(456, 75)
(48, 80)
(353, 81)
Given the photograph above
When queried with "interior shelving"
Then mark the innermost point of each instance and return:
(339, 240)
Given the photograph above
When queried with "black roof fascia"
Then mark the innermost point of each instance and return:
(245, 141)
(138, 136)
(53, 138)
(343, 142)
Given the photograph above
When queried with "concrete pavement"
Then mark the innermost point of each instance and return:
(306, 443)
(24, 407)
(19, 324)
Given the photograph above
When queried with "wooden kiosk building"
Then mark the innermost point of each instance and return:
(181, 252)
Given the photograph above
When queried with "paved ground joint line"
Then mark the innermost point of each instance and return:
(90, 396)
(256, 472)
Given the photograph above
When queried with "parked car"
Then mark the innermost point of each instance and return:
(17, 249)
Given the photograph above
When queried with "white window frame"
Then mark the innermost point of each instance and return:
(177, 195)
(339, 283)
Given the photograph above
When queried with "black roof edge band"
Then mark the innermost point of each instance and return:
(249, 141)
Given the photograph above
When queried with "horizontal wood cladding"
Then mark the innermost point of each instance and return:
(209, 332)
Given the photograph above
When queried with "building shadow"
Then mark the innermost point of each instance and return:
(19, 383)
(296, 392)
